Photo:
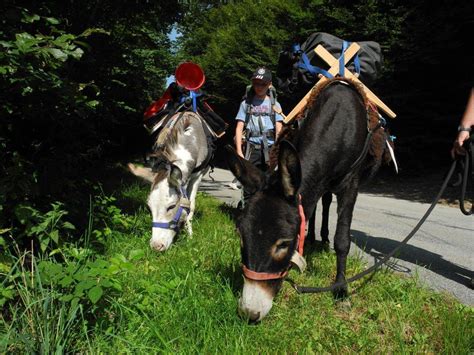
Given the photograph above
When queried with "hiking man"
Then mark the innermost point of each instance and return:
(258, 117)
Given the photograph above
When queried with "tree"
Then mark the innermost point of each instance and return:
(76, 77)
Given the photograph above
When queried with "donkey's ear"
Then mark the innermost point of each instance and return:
(250, 176)
(141, 172)
(289, 169)
(176, 176)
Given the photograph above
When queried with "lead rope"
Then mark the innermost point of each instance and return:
(468, 166)
(309, 289)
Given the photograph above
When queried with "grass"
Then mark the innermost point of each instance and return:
(185, 301)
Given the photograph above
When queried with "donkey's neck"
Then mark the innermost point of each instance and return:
(184, 160)
(190, 149)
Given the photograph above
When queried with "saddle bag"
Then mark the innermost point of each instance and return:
(299, 66)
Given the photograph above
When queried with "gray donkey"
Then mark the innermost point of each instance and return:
(180, 159)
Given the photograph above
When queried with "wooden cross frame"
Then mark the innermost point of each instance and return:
(334, 70)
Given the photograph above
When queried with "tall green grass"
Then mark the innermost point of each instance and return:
(40, 322)
(185, 301)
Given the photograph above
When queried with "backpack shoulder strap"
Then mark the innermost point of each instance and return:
(272, 94)
(249, 94)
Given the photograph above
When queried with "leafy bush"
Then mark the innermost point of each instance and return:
(47, 227)
(48, 301)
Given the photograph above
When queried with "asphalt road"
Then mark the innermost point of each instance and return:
(441, 253)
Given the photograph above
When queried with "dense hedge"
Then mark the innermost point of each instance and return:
(75, 78)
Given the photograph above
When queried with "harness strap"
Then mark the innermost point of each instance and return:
(263, 276)
(302, 234)
(174, 223)
(305, 64)
(345, 45)
(468, 165)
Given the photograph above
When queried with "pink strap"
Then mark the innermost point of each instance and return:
(262, 276)
(302, 234)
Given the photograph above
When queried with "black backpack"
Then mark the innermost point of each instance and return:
(299, 66)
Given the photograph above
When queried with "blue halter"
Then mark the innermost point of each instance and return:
(174, 223)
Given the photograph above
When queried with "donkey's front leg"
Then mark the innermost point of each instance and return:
(326, 202)
(311, 234)
(342, 240)
(192, 189)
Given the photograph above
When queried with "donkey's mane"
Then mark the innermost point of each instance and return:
(377, 146)
(166, 142)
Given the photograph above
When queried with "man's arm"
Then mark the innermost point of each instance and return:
(466, 122)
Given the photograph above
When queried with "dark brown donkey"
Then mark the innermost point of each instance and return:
(325, 155)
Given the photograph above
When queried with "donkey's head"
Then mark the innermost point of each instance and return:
(168, 202)
(268, 228)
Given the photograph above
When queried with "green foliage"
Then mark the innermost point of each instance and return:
(47, 302)
(46, 228)
(54, 302)
(107, 217)
(75, 80)
(83, 281)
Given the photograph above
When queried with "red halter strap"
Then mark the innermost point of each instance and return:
(264, 276)
(302, 234)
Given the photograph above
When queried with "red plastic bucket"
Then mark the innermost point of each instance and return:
(190, 76)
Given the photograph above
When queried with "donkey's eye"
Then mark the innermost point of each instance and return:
(283, 244)
(280, 249)
(172, 207)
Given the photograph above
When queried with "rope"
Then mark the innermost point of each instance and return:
(467, 166)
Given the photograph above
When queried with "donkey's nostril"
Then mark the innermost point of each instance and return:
(251, 316)
(254, 317)
(158, 246)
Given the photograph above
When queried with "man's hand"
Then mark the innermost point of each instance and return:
(457, 145)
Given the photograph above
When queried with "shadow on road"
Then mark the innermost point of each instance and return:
(379, 247)
(421, 187)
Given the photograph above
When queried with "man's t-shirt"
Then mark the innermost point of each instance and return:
(261, 110)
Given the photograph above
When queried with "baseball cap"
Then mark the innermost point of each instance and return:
(262, 73)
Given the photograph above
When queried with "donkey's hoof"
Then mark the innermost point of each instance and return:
(344, 305)
(340, 293)
(325, 246)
